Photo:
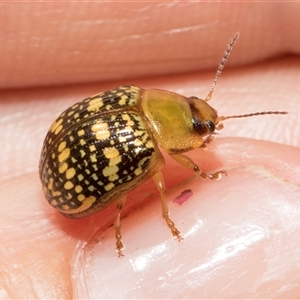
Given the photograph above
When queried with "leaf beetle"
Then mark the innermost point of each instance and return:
(100, 149)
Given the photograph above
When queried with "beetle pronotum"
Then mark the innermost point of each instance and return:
(100, 149)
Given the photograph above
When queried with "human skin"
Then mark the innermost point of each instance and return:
(241, 233)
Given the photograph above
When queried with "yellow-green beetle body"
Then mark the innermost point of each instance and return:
(105, 146)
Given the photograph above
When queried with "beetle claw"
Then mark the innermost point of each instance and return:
(213, 176)
(217, 175)
(120, 253)
(175, 232)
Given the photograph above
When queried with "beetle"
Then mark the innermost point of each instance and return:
(100, 149)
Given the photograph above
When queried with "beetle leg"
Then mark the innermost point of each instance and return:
(207, 140)
(188, 163)
(117, 225)
(159, 182)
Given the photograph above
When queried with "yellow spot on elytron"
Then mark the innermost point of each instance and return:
(132, 102)
(61, 199)
(56, 193)
(81, 197)
(93, 158)
(50, 184)
(55, 125)
(101, 131)
(80, 177)
(53, 155)
(63, 168)
(110, 152)
(62, 146)
(82, 142)
(87, 202)
(115, 161)
(137, 142)
(150, 144)
(122, 139)
(91, 188)
(138, 132)
(80, 132)
(64, 155)
(123, 100)
(137, 150)
(125, 117)
(92, 148)
(95, 177)
(74, 160)
(45, 189)
(70, 173)
(128, 129)
(68, 185)
(138, 171)
(69, 196)
(108, 171)
(130, 123)
(78, 189)
(82, 153)
(142, 161)
(53, 202)
(113, 177)
(95, 104)
(145, 138)
(109, 186)
(58, 129)
(71, 113)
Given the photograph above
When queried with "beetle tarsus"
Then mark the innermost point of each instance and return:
(120, 254)
(175, 232)
(217, 175)
(119, 243)
(213, 176)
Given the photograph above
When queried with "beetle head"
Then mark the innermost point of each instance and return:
(206, 120)
(203, 115)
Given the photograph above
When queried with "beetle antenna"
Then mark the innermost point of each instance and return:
(221, 65)
(219, 119)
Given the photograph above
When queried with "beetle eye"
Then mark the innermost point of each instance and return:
(210, 125)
